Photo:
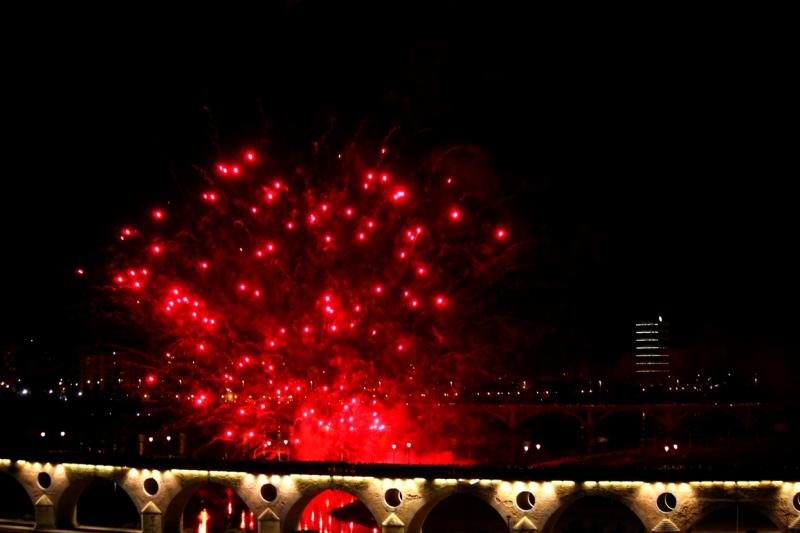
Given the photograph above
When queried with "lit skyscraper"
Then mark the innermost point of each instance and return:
(651, 357)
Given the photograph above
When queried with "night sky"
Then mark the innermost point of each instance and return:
(656, 160)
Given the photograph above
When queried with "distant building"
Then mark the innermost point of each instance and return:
(103, 371)
(29, 363)
(651, 356)
(8, 365)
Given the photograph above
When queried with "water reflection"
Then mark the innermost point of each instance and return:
(217, 509)
(336, 511)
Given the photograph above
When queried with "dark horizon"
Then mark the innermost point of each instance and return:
(658, 174)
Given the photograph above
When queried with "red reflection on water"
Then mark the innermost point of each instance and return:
(216, 509)
(202, 519)
(336, 511)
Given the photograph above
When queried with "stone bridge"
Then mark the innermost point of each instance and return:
(400, 504)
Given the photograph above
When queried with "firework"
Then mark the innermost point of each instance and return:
(309, 312)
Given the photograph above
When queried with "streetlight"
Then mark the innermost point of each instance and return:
(394, 448)
(408, 451)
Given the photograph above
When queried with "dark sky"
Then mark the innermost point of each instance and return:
(660, 155)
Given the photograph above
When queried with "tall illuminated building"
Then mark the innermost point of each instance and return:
(651, 352)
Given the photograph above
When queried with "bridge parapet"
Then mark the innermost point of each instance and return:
(399, 505)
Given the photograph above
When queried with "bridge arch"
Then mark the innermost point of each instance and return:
(771, 421)
(747, 515)
(589, 504)
(621, 430)
(173, 514)
(111, 505)
(716, 424)
(490, 418)
(560, 413)
(66, 508)
(305, 496)
(473, 429)
(554, 431)
(483, 499)
(16, 503)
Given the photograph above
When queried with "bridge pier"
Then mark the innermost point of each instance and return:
(589, 432)
(393, 524)
(269, 522)
(152, 519)
(524, 526)
(45, 513)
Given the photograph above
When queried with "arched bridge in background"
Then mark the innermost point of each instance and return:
(400, 498)
(668, 415)
(598, 427)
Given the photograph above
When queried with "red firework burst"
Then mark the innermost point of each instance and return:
(310, 311)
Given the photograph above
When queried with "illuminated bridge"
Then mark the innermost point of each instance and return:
(401, 497)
